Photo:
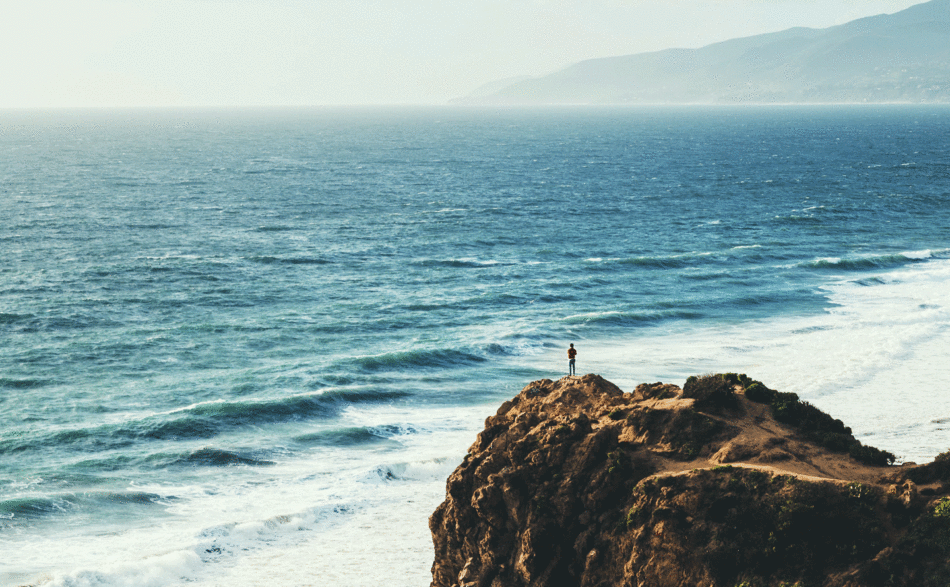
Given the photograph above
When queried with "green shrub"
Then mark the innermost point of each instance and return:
(788, 409)
(833, 441)
(817, 426)
(859, 492)
(759, 393)
(710, 391)
(870, 455)
(942, 509)
(615, 414)
(644, 487)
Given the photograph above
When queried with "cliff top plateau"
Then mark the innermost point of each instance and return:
(723, 483)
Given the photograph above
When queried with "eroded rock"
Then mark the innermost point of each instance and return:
(576, 483)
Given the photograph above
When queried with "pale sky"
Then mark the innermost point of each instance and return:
(316, 52)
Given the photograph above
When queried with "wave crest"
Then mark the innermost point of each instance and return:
(439, 358)
(631, 318)
(869, 263)
(201, 421)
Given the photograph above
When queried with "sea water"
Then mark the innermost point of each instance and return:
(248, 347)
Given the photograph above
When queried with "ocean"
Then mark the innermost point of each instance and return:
(247, 347)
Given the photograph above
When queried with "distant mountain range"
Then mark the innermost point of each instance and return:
(901, 57)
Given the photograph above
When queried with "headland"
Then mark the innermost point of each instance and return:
(723, 482)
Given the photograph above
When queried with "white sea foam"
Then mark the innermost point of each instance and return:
(925, 254)
(152, 571)
(588, 316)
(318, 520)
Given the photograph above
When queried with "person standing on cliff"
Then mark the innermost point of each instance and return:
(571, 353)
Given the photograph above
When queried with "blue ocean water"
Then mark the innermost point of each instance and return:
(247, 347)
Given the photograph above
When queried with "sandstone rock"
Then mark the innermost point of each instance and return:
(576, 483)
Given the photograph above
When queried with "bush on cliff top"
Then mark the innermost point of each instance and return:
(710, 391)
(815, 425)
(759, 393)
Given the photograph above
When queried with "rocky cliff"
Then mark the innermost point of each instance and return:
(722, 483)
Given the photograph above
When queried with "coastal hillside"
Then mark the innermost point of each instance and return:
(720, 483)
(902, 57)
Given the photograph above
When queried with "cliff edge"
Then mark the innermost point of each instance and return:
(724, 482)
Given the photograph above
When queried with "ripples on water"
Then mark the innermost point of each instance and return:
(252, 345)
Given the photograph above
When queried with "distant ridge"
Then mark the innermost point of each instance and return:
(902, 57)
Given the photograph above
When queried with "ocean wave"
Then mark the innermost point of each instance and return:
(706, 276)
(411, 471)
(870, 262)
(278, 169)
(152, 226)
(657, 262)
(355, 436)
(430, 307)
(274, 228)
(797, 219)
(438, 358)
(201, 421)
(214, 457)
(631, 318)
(31, 508)
(457, 263)
(661, 262)
(870, 281)
(202, 457)
(924, 254)
(269, 260)
(306, 261)
(7, 383)
(243, 413)
(6, 318)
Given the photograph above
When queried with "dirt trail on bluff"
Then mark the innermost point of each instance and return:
(767, 445)
(725, 482)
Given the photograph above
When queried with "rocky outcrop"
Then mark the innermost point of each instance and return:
(576, 483)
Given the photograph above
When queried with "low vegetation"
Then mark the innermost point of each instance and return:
(711, 391)
(813, 424)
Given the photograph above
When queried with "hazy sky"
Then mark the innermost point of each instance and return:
(296, 52)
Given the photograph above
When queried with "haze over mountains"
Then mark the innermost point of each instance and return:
(901, 57)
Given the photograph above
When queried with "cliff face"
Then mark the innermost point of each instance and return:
(577, 483)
